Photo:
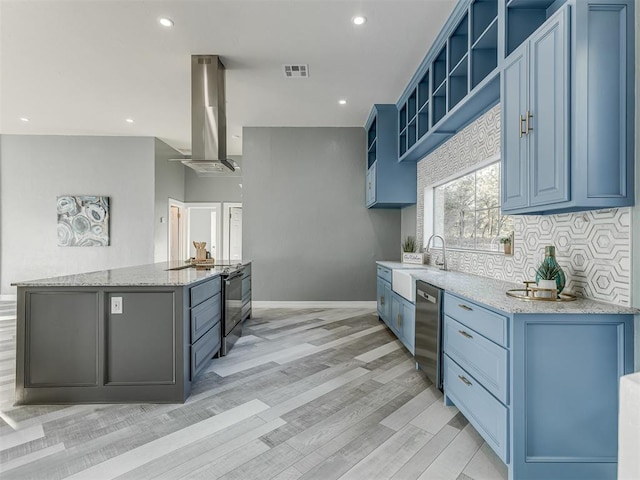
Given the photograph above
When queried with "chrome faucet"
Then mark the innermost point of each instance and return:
(443, 264)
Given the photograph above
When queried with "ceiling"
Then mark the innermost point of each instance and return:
(81, 67)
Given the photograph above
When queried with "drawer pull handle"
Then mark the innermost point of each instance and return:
(464, 334)
(465, 381)
(464, 307)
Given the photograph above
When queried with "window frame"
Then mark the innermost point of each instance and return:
(429, 216)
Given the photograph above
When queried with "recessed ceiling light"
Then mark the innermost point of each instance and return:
(359, 20)
(24, 119)
(166, 22)
(129, 120)
(342, 102)
(235, 136)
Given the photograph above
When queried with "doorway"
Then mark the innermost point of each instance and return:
(176, 231)
(217, 223)
(205, 226)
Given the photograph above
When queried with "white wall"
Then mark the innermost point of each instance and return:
(306, 227)
(37, 169)
(169, 183)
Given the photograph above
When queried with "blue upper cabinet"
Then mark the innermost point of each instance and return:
(389, 184)
(535, 128)
(457, 81)
(573, 147)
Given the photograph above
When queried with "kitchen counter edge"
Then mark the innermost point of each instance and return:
(147, 275)
(492, 293)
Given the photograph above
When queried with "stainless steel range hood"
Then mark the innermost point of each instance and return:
(208, 119)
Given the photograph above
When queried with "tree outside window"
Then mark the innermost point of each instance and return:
(467, 211)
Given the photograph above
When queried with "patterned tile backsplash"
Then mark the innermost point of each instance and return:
(593, 248)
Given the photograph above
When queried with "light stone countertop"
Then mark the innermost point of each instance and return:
(150, 275)
(492, 292)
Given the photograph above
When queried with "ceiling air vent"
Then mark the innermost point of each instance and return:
(296, 71)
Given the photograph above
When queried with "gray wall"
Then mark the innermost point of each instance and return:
(169, 183)
(305, 224)
(212, 189)
(37, 169)
(408, 219)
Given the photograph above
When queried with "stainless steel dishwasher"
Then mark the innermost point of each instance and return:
(428, 345)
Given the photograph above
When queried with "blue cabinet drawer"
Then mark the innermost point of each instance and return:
(484, 412)
(485, 360)
(204, 316)
(384, 273)
(484, 321)
(201, 292)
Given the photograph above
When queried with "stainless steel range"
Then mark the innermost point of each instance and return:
(232, 306)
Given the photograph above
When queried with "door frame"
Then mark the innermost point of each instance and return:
(181, 210)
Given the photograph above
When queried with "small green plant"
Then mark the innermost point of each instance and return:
(409, 245)
(548, 272)
(505, 240)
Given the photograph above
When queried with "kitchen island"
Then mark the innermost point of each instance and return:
(135, 334)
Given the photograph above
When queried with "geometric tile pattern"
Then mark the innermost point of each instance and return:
(593, 248)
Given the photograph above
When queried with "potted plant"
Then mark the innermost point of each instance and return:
(409, 254)
(506, 241)
(546, 275)
(409, 245)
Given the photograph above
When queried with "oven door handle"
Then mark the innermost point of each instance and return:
(233, 276)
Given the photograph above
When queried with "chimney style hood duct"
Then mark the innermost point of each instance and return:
(208, 119)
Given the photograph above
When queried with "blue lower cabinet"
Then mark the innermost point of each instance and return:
(384, 300)
(486, 413)
(403, 320)
(545, 398)
(398, 313)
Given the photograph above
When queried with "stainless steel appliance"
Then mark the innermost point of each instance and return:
(232, 307)
(428, 345)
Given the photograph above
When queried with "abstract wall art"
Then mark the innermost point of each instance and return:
(83, 221)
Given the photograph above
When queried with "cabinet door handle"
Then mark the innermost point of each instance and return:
(520, 125)
(462, 306)
(381, 300)
(465, 381)
(399, 320)
(529, 127)
(465, 334)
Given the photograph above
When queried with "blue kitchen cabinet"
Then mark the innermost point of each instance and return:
(389, 184)
(395, 311)
(384, 299)
(535, 130)
(403, 320)
(541, 389)
(457, 81)
(567, 87)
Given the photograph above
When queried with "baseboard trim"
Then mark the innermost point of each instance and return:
(9, 298)
(264, 304)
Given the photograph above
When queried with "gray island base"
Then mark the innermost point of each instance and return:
(73, 345)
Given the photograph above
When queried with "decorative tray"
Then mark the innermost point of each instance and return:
(537, 294)
(524, 294)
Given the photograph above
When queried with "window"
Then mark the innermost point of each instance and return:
(466, 211)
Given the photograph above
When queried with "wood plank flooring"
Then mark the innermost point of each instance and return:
(313, 394)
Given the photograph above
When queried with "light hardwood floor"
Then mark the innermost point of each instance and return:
(305, 394)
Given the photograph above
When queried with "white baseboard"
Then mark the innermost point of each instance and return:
(9, 298)
(264, 304)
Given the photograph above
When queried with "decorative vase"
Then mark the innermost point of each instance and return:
(550, 259)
